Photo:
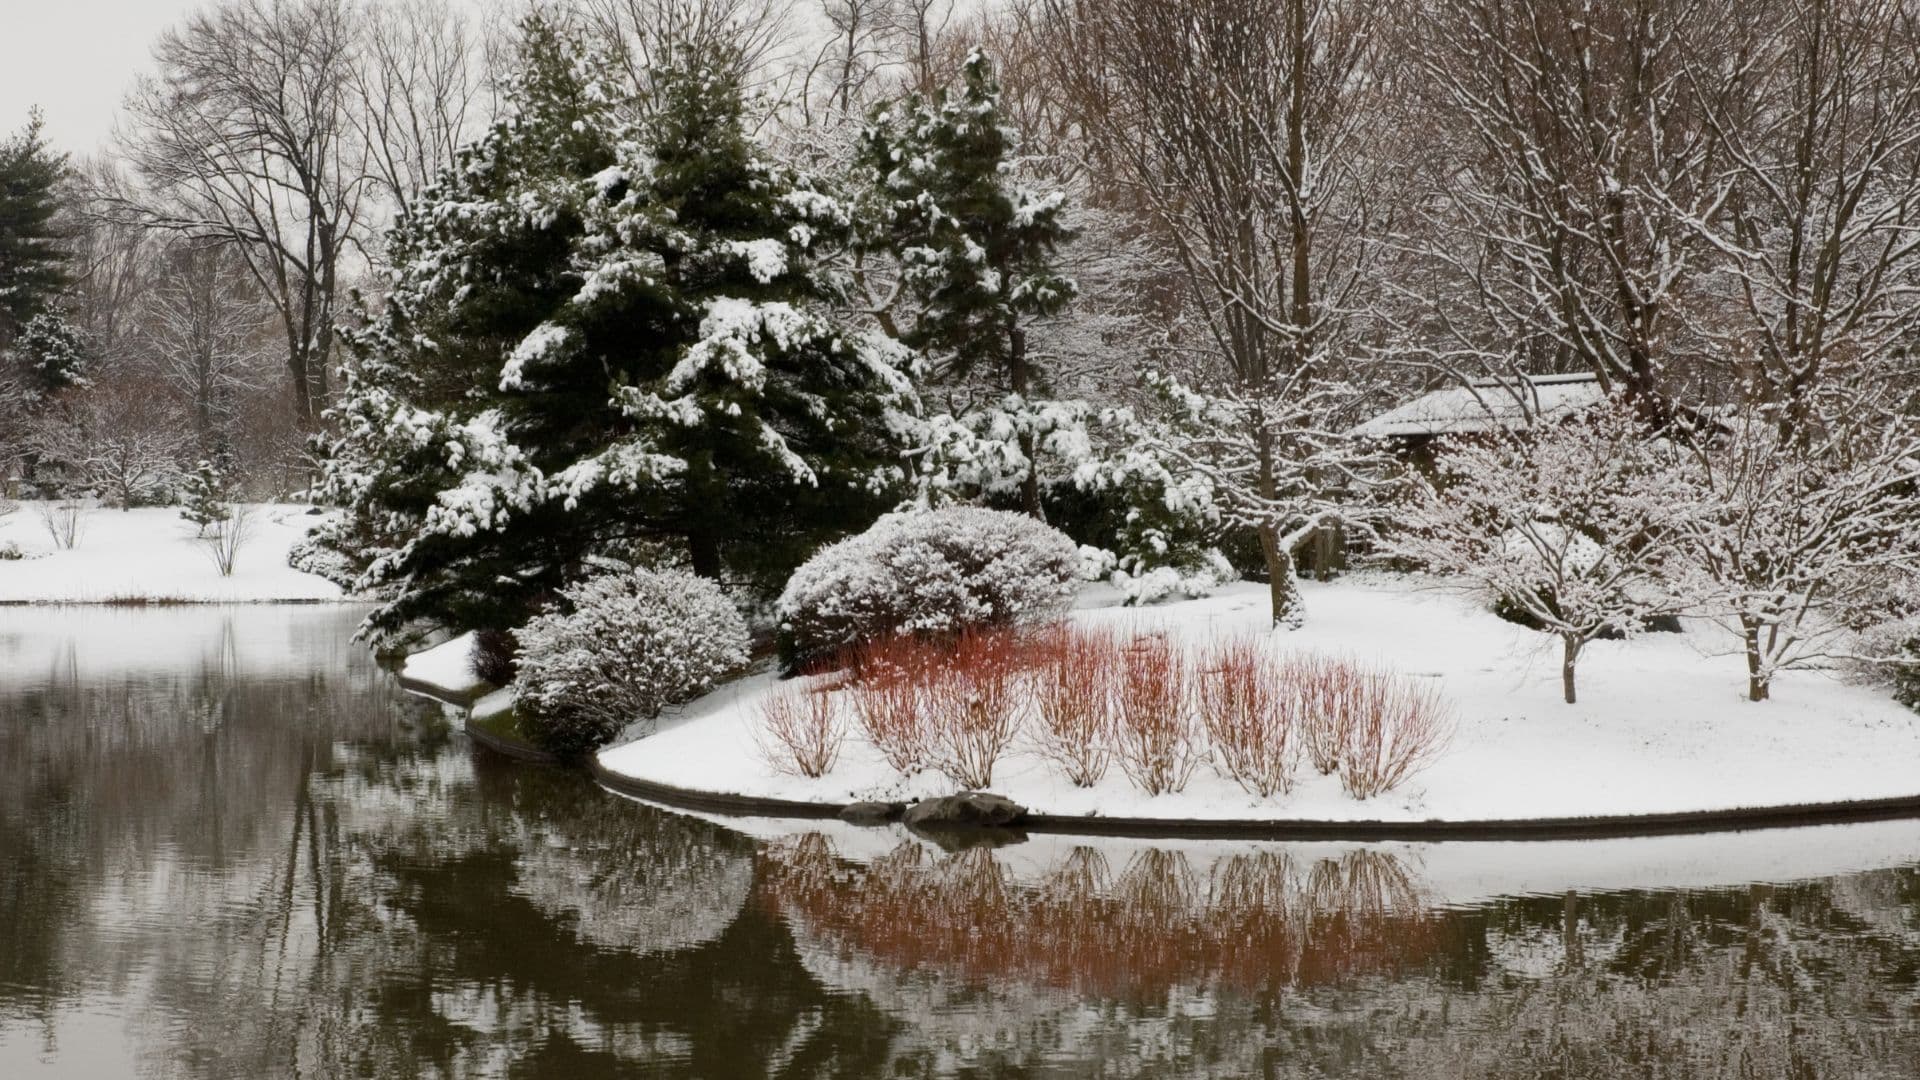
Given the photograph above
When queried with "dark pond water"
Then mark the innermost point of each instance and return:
(230, 847)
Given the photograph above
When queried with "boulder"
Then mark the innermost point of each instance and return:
(872, 813)
(971, 809)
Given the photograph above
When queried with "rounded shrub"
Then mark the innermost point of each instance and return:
(926, 572)
(621, 648)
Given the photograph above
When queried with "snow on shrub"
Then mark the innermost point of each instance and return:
(1156, 739)
(1250, 714)
(975, 701)
(626, 646)
(801, 731)
(928, 572)
(313, 555)
(1074, 692)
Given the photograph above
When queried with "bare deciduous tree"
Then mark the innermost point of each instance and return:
(1239, 132)
(246, 134)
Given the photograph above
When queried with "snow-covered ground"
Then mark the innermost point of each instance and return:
(1662, 726)
(151, 554)
(445, 669)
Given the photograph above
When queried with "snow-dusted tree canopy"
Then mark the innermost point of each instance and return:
(607, 326)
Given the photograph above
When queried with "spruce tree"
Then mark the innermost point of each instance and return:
(976, 249)
(33, 262)
(607, 333)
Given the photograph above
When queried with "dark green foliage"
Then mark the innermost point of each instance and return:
(609, 333)
(495, 656)
(975, 250)
(33, 263)
(52, 352)
(204, 497)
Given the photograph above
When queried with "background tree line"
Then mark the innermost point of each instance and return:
(1251, 222)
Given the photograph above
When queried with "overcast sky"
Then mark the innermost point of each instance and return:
(76, 58)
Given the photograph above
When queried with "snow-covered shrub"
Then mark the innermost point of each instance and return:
(927, 572)
(801, 731)
(10, 552)
(1250, 716)
(315, 555)
(1156, 739)
(495, 656)
(1074, 693)
(623, 647)
(1191, 579)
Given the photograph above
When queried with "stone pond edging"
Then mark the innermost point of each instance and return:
(1558, 828)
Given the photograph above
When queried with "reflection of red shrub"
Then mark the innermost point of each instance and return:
(1260, 922)
(1156, 739)
(1073, 690)
(1249, 715)
(975, 702)
(800, 731)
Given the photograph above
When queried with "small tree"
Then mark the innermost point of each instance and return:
(1572, 525)
(976, 250)
(1797, 535)
(232, 528)
(203, 497)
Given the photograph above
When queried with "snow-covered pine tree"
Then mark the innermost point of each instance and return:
(977, 251)
(203, 497)
(606, 327)
(51, 353)
(33, 258)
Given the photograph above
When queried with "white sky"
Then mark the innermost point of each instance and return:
(76, 58)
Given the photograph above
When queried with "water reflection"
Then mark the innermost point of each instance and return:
(230, 847)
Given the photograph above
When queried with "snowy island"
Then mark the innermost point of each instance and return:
(1663, 726)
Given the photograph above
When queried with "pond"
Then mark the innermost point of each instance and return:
(230, 846)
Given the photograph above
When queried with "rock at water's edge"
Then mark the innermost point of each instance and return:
(972, 809)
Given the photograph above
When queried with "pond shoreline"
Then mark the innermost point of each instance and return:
(1596, 827)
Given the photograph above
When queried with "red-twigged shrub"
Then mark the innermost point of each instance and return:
(1074, 693)
(1250, 716)
(1324, 694)
(974, 703)
(801, 731)
(889, 687)
(1156, 739)
(1396, 729)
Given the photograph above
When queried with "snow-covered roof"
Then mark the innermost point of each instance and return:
(1499, 404)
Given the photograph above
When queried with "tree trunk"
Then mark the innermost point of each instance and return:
(703, 550)
(1018, 378)
(1282, 589)
(1570, 656)
(1759, 684)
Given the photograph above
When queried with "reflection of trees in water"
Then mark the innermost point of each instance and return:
(305, 873)
(1253, 922)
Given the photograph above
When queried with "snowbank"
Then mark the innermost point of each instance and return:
(1663, 726)
(151, 554)
(445, 670)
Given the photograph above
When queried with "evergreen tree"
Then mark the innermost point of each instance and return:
(203, 498)
(608, 332)
(976, 249)
(33, 263)
(51, 353)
